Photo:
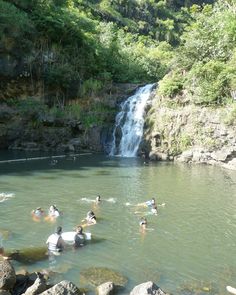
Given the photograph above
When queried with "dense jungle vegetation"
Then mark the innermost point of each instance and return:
(78, 47)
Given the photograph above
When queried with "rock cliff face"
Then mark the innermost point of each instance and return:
(36, 130)
(191, 134)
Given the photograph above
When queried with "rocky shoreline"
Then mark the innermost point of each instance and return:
(12, 283)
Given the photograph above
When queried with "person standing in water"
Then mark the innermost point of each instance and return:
(55, 243)
(79, 239)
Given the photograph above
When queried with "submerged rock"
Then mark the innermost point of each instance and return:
(28, 255)
(99, 275)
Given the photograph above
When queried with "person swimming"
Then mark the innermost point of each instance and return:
(38, 213)
(148, 203)
(90, 218)
(143, 222)
(154, 209)
(98, 199)
(151, 202)
(54, 212)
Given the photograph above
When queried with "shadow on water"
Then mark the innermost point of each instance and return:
(81, 162)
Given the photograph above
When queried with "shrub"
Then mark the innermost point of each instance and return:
(171, 84)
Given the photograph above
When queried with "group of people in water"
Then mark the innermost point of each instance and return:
(39, 213)
(55, 242)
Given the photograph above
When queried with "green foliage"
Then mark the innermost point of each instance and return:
(208, 83)
(204, 65)
(15, 26)
(30, 108)
(96, 114)
(91, 87)
(171, 85)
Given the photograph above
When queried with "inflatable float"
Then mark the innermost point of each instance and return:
(69, 236)
(231, 289)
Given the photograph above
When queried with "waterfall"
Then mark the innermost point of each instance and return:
(129, 124)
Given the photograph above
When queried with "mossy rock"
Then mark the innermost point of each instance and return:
(99, 275)
(28, 255)
(197, 288)
(6, 234)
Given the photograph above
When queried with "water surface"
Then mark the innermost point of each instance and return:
(190, 243)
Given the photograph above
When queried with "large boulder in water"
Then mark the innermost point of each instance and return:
(63, 288)
(148, 288)
(7, 275)
(28, 255)
(99, 275)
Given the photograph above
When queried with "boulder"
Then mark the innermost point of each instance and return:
(63, 288)
(99, 275)
(221, 155)
(148, 288)
(38, 287)
(105, 289)
(7, 275)
(185, 157)
(230, 165)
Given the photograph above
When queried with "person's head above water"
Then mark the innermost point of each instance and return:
(154, 209)
(90, 214)
(143, 221)
(79, 229)
(153, 201)
(59, 230)
(53, 208)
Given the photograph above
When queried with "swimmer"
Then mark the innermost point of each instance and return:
(55, 243)
(154, 209)
(37, 214)
(98, 199)
(79, 237)
(143, 225)
(53, 213)
(90, 218)
(148, 203)
(143, 222)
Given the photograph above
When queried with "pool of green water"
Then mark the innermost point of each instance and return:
(189, 245)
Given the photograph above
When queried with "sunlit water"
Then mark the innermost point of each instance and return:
(191, 242)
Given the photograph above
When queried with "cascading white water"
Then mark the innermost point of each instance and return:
(130, 121)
